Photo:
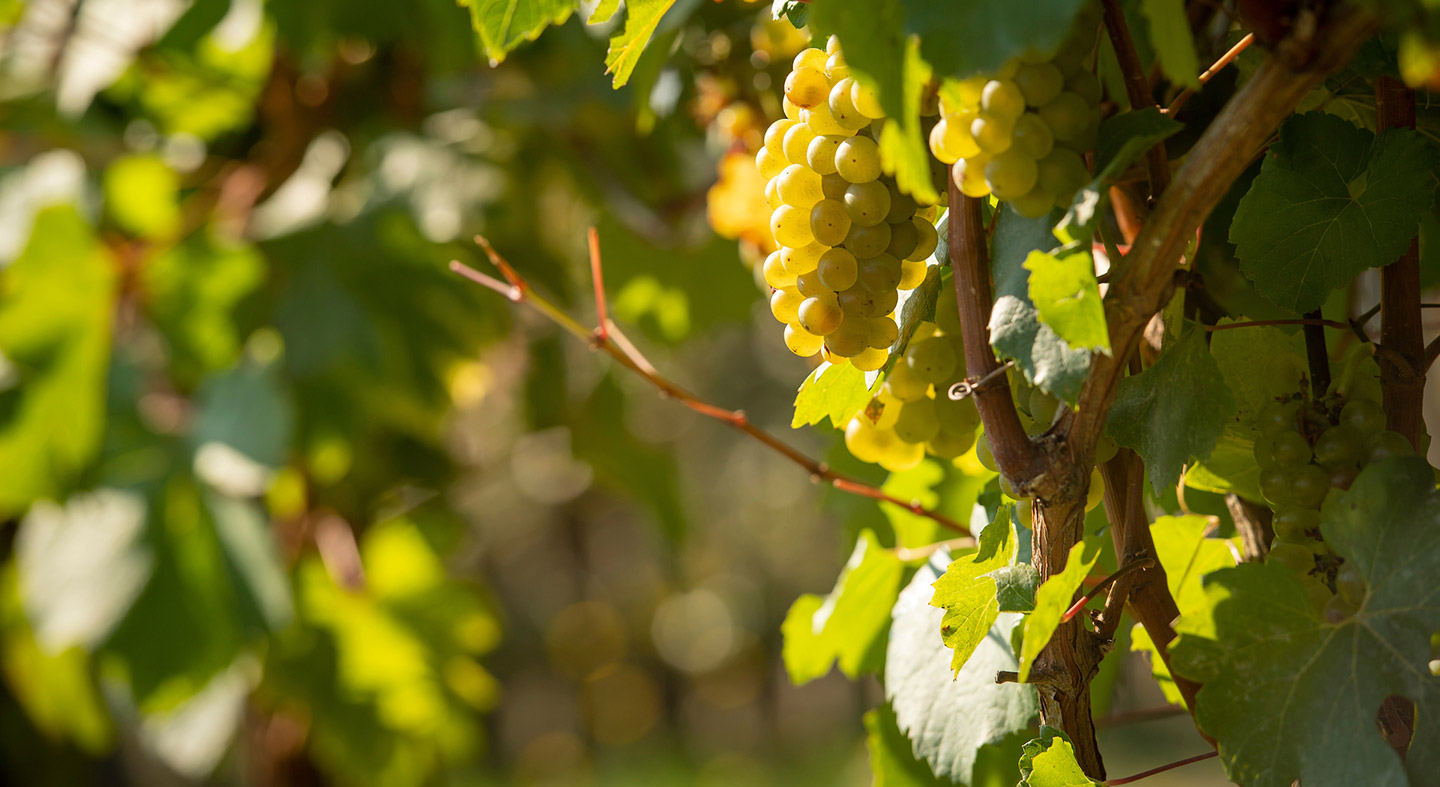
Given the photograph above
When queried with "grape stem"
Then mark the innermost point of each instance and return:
(1309, 321)
(1316, 355)
(1163, 768)
(614, 343)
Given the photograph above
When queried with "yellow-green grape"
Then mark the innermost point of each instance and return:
(1039, 83)
(775, 136)
(879, 273)
(829, 222)
(969, 175)
(1067, 115)
(820, 121)
(809, 285)
(926, 239)
(993, 133)
(904, 237)
(951, 140)
(792, 112)
(870, 359)
(867, 203)
(1086, 86)
(949, 446)
(775, 273)
(842, 108)
(1105, 449)
(838, 270)
(810, 58)
(1062, 173)
(929, 213)
(834, 186)
(957, 416)
(795, 142)
(971, 90)
(904, 385)
(802, 342)
(785, 304)
(799, 186)
(832, 45)
(902, 205)
(857, 160)
(849, 340)
(912, 274)
(1095, 494)
(836, 68)
(931, 360)
(820, 154)
(768, 164)
(881, 302)
(803, 259)
(947, 314)
(1032, 137)
(1036, 203)
(1001, 98)
(1011, 174)
(1008, 489)
(807, 86)
(866, 242)
(821, 316)
(917, 422)
(1043, 407)
(772, 194)
(866, 100)
(985, 455)
(882, 332)
(791, 226)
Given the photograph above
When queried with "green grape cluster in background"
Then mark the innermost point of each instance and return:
(848, 238)
(1021, 133)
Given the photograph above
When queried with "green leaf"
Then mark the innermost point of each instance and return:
(1229, 468)
(1173, 411)
(56, 300)
(965, 39)
(1015, 328)
(834, 392)
(1049, 761)
(505, 24)
(626, 46)
(604, 10)
(967, 591)
(1289, 695)
(1015, 587)
(1067, 298)
(1055, 596)
(954, 721)
(1240, 354)
(848, 625)
(797, 11)
(903, 150)
(1331, 200)
(1122, 139)
(1170, 36)
(892, 758)
(142, 194)
(1140, 642)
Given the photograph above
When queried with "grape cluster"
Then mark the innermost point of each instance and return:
(1306, 451)
(848, 238)
(917, 415)
(1021, 132)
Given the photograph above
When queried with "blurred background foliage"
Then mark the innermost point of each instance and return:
(287, 503)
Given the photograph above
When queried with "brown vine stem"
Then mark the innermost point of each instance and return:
(1105, 583)
(1403, 385)
(1137, 88)
(1316, 356)
(612, 343)
(1225, 59)
(1336, 324)
(1163, 768)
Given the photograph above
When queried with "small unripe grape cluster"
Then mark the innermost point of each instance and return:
(917, 414)
(848, 238)
(1307, 451)
(1021, 133)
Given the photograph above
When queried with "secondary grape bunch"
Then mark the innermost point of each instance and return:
(848, 238)
(1021, 133)
(1306, 451)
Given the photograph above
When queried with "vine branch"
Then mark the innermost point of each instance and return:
(1163, 768)
(1105, 583)
(1137, 88)
(1209, 73)
(611, 342)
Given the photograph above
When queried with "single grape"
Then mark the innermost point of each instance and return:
(809, 286)
(970, 90)
(857, 160)
(1068, 116)
(969, 175)
(870, 359)
(932, 360)
(799, 186)
(838, 270)
(829, 222)
(1275, 485)
(792, 112)
(802, 342)
(810, 58)
(1289, 449)
(1086, 86)
(1296, 524)
(864, 441)
(1338, 446)
(927, 238)
(917, 422)
(867, 203)
(902, 456)
(1364, 416)
(867, 101)
(948, 446)
(947, 314)
(795, 143)
(1095, 492)
(1002, 98)
(912, 274)
(904, 238)
(1278, 416)
(791, 226)
(1039, 83)
(1043, 407)
(821, 316)
(832, 45)
(1349, 585)
(1062, 172)
(1298, 559)
(903, 384)
(881, 332)
(1011, 174)
(834, 186)
(785, 305)
(775, 273)
(950, 139)
(835, 68)
(822, 123)
(1032, 137)
(775, 137)
(957, 416)
(880, 273)
(842, 107)
(1008, 489)
(772, 194)
(807, 86)
(769, 165)
(1106, 449)
(850, 340)
(985, 454)
(1387, 444)
(866, 242)
(820, 155)
(1264, 455)
(993, 133)
(1308, 486)
(1343, 477)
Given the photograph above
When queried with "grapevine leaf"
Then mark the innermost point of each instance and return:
(968, 594)
(1174, 45)
(55, 316)
(1055, 596)
(965, 39)
(1015, 329)
(848, 625)
(1049, 761)
(834, 392)
(939, 486)
(1122, 139)
(626, 46)
(952, 719)
(1240, 352)
(1229, 468)
(1173, 411)
(603, 12)
(1140, 642)
(903, 149)
(796, 11)
(504, 24)
(892, 758)
(915, 306)
(245, 410)
(1067, 298)
(1015, 587)
(1331, 200)
(1289, 695)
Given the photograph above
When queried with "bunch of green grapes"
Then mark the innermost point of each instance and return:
(1306, 451)
(848, 238)
(916, 413)
(1022, 132)
(1038, 411)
